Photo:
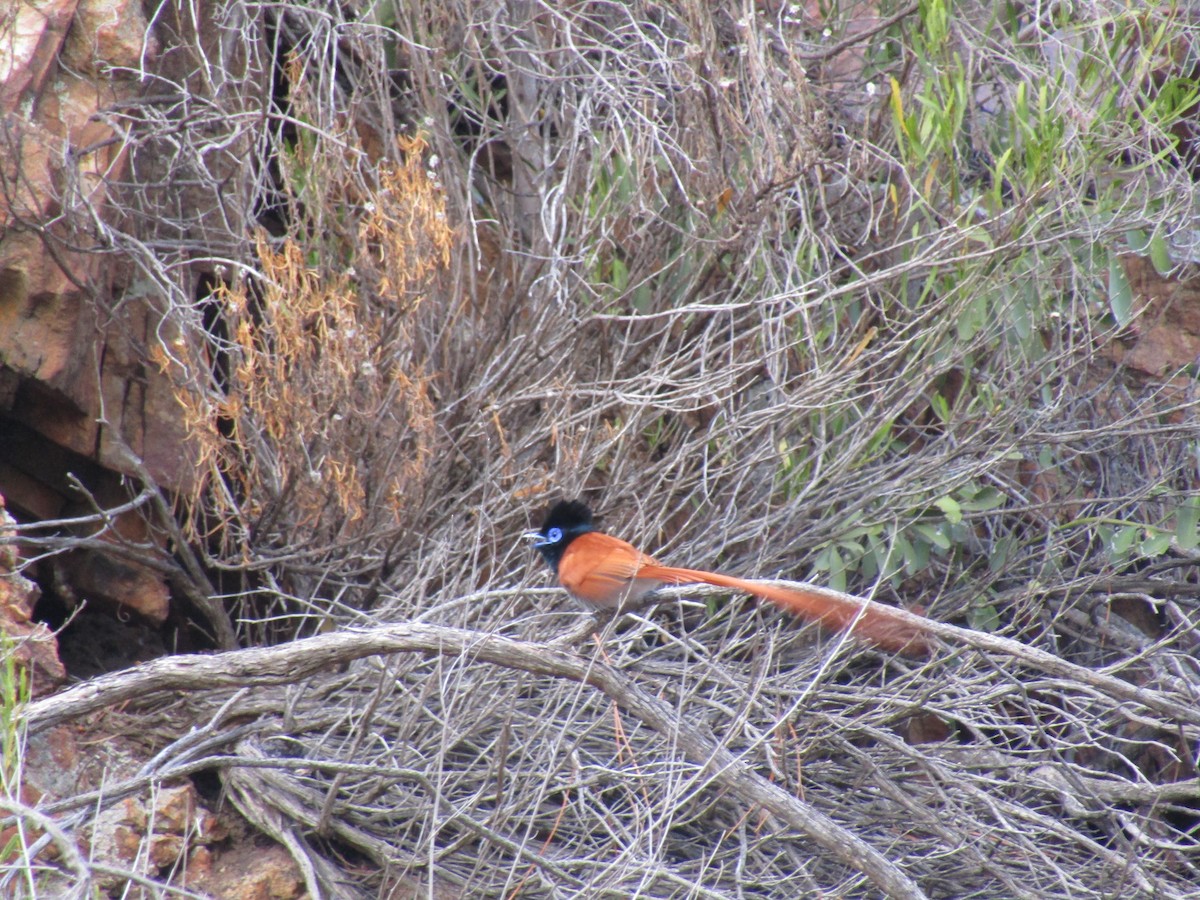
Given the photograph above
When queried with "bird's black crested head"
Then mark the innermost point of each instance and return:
(569, 515)
(566, 520)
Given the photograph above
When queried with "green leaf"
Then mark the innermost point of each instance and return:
(885, 560)
(998, 175)
(880, 440)
(1123, 538)
(868, 566)
(1001, 551)
(1187, 524)
(984, 617)
(972, 317)
(620, 275)
(1160, 255)
(851, 546)
(933, 534)
(1021, 310)
(916, 555)
(950, 507)
(941, 408)
(837, 570)
(1156, 544)
(897, 104)
(1120, 294)
(987, 498)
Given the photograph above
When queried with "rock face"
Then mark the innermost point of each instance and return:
(33, 642)
(70, 370)
(76, 392)
(1167, 334)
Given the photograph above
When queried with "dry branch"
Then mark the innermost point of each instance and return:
(291, 663)
(294, 662)
(695, 275)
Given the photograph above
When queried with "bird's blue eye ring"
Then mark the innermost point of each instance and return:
(553, 536)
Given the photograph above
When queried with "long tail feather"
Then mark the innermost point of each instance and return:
(884, 626)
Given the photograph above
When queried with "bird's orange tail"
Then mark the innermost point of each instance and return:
(884, 626)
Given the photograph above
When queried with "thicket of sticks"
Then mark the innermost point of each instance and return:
(779, 303)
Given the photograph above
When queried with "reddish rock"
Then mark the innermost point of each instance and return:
(74, 381)
(1167, 336)
(30, 47)
(200, 864)
(34, 643)
(118, 584)
(108, 33)
(52, 761)
(74, 372)
(152, 834)
(249, 870)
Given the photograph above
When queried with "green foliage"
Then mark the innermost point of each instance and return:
(614, 202)
(14, 694)
(1011, 228)
(1128, 542)
(893, 550)
(1153, 246)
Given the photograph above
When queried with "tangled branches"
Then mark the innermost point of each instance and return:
(849, 315)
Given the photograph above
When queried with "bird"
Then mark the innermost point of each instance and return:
(605, 573)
